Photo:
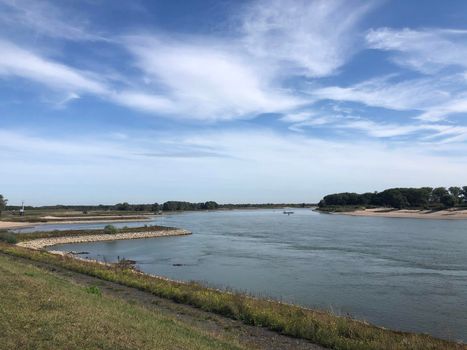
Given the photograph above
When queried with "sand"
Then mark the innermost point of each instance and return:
(449, 214)
(4, 225)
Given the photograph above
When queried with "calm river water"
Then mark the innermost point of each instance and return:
(404, 274)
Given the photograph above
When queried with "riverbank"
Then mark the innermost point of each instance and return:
(8, 225)
(448, 214)
(44, 307)
(319, 327)
(41, 243)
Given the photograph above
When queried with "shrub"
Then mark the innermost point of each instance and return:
(8, 237)
(110, 230)
(94, 290)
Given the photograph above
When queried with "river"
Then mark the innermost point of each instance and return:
(404, 274)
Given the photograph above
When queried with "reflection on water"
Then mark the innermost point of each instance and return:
(405, 274)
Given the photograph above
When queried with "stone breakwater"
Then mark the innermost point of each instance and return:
(47, 242)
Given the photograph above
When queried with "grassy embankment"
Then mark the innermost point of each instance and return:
(40, 310)
(319, 327)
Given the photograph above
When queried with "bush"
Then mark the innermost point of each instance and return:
(8, 237)
(110, 230)
(94, 290)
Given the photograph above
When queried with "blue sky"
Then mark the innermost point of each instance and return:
(233, 101)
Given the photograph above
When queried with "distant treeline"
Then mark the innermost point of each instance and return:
(155, 207)
(101, 207)
(424, 197)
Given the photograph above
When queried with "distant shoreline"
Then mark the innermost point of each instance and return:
(448, 214)
(6, 225)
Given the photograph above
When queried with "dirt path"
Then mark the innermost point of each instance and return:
(250, 336)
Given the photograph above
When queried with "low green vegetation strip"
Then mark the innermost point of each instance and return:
(340, 208)
(109, 229)
(319, 327)
(40, 310)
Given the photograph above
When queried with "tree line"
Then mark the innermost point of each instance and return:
(400, 198)
(154, 207)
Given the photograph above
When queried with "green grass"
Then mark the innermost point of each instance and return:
(40, 310)
(319, 327)
(339, 208)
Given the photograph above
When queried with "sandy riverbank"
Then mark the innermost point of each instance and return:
(449, 214)
(47, 242)
(6, 225)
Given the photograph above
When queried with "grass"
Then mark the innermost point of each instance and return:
(57, 233)
(339, 208)
(319, 327)
(40, 310)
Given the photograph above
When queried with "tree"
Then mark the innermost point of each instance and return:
(210, 205)
(123, 206)
(464, 194)
(394, 198)
(448, 201)
(456, 194)
(3, 202)
(438, 193)
(110, 230)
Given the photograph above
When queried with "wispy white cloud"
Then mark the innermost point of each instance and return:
(314, 38)
(203, 80)
(44, 18)
(228, 78)
(442, 132)
(19, 62)
(216, 78)
(244, 75)
(456, 105)
(434, 98)
(146, 102)
(414, 94)
(297, 117)
(425, 50)
(436, 133)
